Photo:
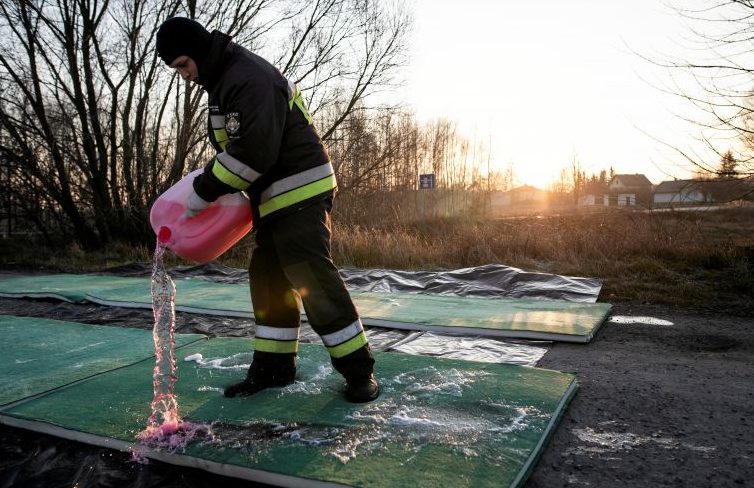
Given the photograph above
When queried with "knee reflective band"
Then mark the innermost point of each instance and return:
(275, 339)
(346, 340)
(297, 188)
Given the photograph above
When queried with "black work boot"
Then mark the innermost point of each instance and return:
(362, 390)
(357, 369)
(267, 370)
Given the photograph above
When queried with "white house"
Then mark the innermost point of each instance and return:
(630, 190)
(680, 192)
(696, 192)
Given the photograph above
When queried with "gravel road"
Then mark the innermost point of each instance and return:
(658, 405)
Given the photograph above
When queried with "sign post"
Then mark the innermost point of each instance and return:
(426, 182)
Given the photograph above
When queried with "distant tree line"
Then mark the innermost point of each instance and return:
(379, 157)
(574, 181)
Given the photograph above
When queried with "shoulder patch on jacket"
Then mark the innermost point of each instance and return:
(232, 123)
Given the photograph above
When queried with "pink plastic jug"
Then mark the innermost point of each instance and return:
(209, 234)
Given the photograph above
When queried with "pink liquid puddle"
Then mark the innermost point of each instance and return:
(165, 429)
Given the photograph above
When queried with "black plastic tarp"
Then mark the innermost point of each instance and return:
(490, 280)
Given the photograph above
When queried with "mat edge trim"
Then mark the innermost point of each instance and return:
(484, 332)
(538, 450)
(222, 469)
(33, 294)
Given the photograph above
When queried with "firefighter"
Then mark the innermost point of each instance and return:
(268, 147)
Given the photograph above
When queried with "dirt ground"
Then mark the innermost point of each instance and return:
(658, 405)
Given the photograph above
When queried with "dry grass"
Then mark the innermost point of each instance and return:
(700, 259)
(684, 258)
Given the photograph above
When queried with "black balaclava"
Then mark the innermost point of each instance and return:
(180, 36)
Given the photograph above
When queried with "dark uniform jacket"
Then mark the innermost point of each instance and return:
(265, 141)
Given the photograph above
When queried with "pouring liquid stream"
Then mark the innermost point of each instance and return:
(164, 426)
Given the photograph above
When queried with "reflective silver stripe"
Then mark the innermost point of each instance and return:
(299, 179)
(235, 166)
(291, 90)
(217, 121)
(343, 335)
(278, 334)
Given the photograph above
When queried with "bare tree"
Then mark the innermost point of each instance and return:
(93, 126)
(722, 79)
(77, 79)
(578, 179)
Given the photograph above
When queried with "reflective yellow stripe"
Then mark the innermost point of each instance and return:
(349, 346)
(295, 196)
(221, 137)
(298, 100)
(237, 167)
(270, 345)
(296, 180)
(231, 179)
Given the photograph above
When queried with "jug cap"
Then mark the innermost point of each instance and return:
(164, 235)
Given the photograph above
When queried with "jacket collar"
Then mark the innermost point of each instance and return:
(212, 67)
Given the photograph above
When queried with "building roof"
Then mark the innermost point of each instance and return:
(525, 188)
(594, 188)
(720, 189)
(632, 180)
(675, 186)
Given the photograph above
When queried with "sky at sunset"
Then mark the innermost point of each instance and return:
(551, 80)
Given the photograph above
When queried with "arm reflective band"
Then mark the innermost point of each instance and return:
(218, 130)
(233, 172)
(229, 178)
(221, 137)
(237, 167)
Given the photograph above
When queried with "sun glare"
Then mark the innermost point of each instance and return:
(550, 82)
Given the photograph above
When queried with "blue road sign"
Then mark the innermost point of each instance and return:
(427, 182)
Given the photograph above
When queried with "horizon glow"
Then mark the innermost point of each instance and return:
(551, 81)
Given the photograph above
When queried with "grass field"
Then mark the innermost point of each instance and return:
(700, 259)
(697, 259)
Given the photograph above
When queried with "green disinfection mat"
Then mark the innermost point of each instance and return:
(437, 422)
(66, 287)
(498, 317)
(39, 355)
